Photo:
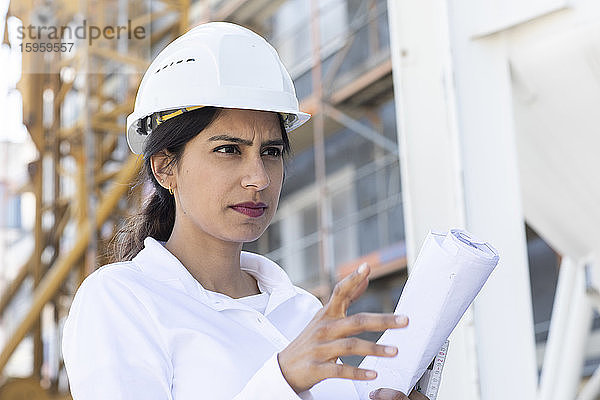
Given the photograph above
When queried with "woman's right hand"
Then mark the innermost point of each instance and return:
(312, 356)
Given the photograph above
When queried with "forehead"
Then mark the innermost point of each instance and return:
(247, 123)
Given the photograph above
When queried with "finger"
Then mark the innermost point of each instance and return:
(361, 322)
(345, 371)
(343, 291)
(387, 394)
(359, 290)
(354, 347)
(414, 395)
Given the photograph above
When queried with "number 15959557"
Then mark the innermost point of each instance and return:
(46, 47)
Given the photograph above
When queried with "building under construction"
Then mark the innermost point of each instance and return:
(426, 115)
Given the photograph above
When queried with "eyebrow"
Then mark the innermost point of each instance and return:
(227, 138)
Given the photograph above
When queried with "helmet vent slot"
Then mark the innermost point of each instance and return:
(173, 62)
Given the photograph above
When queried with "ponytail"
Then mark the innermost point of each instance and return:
(156, 219)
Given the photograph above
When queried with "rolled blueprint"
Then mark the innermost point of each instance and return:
(450, 270)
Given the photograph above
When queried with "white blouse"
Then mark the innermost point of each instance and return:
(257, 301)
(146, 329)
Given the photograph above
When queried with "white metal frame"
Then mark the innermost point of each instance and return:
(459, 168)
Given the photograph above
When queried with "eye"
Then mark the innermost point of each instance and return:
(228, 149)
(273, 151)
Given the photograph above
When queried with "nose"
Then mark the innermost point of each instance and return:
(255, 175)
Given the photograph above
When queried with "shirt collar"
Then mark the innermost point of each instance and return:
(160, 264)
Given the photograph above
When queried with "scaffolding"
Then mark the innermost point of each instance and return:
(83, 156)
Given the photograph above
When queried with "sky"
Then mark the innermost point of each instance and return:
(16, 147)
(11, 105)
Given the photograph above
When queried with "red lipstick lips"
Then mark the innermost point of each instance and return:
(250, 209)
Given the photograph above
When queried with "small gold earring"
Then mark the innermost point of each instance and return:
(170, 190)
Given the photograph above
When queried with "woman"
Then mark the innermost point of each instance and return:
(186, 314)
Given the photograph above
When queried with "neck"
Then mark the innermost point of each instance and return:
(214, 263)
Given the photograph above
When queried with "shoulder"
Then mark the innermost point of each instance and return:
(111, 283)
(118, 269)
(110, 299)
(111, 273)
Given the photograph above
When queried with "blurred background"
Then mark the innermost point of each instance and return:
(427, 115)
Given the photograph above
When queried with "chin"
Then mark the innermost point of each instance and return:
(250, 235)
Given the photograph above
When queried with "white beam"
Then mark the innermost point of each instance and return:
(425, 119)
(558, 327)
(575, 339)
(502, 312)
(591, 389)
(429, 159)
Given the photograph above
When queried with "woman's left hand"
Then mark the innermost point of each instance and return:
(391, 394)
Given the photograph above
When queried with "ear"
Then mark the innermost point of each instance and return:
(162, 168)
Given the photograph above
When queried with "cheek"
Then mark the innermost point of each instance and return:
(276, 186)
(202, 185)
(276, 172)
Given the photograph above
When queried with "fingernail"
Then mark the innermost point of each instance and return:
(370, 374)
(401, 319)
(362, 268)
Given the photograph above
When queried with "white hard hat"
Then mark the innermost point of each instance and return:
(216, 64)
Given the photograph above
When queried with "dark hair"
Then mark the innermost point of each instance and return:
(157, 216)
